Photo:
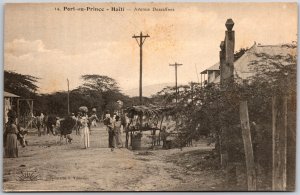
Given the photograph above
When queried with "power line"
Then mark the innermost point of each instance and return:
(176, 90)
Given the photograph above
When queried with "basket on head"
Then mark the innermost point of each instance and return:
(83, 109)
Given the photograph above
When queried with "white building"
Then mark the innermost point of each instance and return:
(256, 55)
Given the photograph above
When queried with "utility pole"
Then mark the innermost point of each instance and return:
(176, 65)
(140, 39)
(68, 97)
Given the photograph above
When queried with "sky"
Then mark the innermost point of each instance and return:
(56, 45)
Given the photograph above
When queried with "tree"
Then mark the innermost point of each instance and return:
(23, 85)
(240, 53)
(102, 92)
(212, 109)
(100, 83)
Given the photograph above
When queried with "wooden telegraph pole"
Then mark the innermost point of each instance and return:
(227, 80)
(226, 68)
(140, 39)
(176, 90)
(68, 97)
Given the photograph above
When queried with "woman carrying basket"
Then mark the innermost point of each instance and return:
(85, 129)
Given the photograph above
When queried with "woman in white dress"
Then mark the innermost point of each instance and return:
(85, 129)
(117, 131)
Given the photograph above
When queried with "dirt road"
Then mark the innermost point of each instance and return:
(69, 167)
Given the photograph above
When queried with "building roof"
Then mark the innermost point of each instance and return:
(243, 67)
(216, 66)
(7, 94)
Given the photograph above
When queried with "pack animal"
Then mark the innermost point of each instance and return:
(65, 128)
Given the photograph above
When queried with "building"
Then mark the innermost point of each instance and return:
(9, 103)
(257, 54)
(212, 73)
(260, 55)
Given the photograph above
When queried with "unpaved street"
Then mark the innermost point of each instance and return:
(69, 167)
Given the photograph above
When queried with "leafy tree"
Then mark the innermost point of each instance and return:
(22, 85)
(101, 92)
(100, 83)
(212, 109)
(240, 53)
(19, 84)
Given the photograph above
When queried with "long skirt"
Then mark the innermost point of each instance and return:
(86, 137)
(39, 127)
(111, 139)
(11, 149)
(118, 138)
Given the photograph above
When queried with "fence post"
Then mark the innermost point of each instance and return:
(279, 142)
(246, 134)
(291, 144)
(291, 133)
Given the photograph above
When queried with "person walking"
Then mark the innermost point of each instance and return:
(94, 117)
(45, 122)
(110, 129)
(117, 131)
(39, 124)
(164, 135)
(85, 129)
(10, 136)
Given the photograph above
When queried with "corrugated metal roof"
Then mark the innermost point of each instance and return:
(7, 94)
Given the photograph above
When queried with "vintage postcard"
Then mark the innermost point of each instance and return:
(149, 96)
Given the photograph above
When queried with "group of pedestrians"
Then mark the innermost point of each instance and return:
(113, 126)
(83, 122)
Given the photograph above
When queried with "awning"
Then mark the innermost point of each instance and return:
(7, 94)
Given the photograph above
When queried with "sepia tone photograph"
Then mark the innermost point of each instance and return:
(149, 97)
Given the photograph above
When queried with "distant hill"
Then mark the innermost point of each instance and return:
(147, 90)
